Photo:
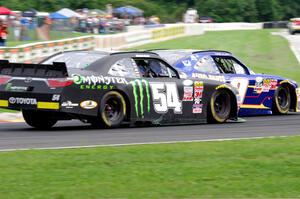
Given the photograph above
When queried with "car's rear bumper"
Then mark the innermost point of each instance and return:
(19, 100)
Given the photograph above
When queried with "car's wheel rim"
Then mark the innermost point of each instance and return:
(283, 98)
(221, 105)
(112, 110)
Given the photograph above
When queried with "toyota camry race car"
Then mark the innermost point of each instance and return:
(108, 89)
(260, 94)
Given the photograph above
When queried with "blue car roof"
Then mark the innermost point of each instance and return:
(173, 56)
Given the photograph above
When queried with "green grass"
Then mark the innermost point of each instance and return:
(2, 110)
(258, 49)
(265, 168)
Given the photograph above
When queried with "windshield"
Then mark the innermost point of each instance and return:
(75, 59)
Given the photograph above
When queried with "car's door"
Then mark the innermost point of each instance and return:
(256, 91)
(172, 98)
(235, 73)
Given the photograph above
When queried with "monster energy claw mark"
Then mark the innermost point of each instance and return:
(138, 93)
(135, 97)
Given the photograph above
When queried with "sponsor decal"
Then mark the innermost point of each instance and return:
(88, 104)
(96, 80)
(139, 89)
(96, 87)
(273, 84)
(55, 98)
(69, 104)
(188, 90)
(210, 77)
(188, 82)
(188, 93)
(197, 108)
(3, 103)
(198, 89)
(198, 94)
(28, 80)
(142, 55)
(22, 101)
(187, 63)
(10, 87)
(48, 105)
(258, 85)
(265, 85)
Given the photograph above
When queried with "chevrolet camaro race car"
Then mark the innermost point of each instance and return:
(260, 94)
(108, 89)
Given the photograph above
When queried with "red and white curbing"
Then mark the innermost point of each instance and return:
(11, 117)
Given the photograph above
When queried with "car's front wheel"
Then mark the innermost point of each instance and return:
(281, 100)
(38, 119)
(219, 108)
(112, 110)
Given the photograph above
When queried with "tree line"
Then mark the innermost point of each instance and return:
(172, 10)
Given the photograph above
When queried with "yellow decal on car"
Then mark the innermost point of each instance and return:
(48, 105)
(4, 103)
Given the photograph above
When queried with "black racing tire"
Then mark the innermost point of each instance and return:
(219, 108)
(281, 100)
(38, 119)
(112, 110)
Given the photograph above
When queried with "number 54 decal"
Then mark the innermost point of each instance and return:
(165, 96)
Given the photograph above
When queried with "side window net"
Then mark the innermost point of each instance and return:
(154, 68)
(124, 68)
(226, 65)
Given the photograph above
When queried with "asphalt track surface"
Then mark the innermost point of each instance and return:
(74, 134)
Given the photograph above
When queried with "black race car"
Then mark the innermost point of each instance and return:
(110, 89)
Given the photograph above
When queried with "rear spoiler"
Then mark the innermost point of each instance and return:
(57, 70)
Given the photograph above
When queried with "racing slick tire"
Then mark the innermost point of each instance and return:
(38, 119)
(112, 110)
(282, 100)
(219, 108)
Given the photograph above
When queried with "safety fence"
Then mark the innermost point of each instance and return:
(36, 51)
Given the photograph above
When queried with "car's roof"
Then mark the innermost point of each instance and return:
(190, 51)
(106, 58)
(173, 55)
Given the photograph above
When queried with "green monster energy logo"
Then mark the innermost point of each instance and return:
(138, 93)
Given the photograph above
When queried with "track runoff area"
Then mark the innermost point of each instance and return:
(18, 136)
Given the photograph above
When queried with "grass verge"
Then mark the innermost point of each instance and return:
(265, 168)
(258, 49)
(2, 110)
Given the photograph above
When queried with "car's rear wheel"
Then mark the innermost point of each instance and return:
(219, 108)
(281, 100)
(38, 119)
(112, 110)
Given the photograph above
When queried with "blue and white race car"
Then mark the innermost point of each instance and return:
(260, 94)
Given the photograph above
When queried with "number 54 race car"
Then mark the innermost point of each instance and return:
(108, 89)
(260, 94)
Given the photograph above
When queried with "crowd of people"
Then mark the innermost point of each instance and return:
(23, 28)
(107, 25)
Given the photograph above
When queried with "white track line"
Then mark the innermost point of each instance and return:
(145, 143)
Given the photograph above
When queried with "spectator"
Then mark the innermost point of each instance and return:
(3, 33)
(17, 28)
